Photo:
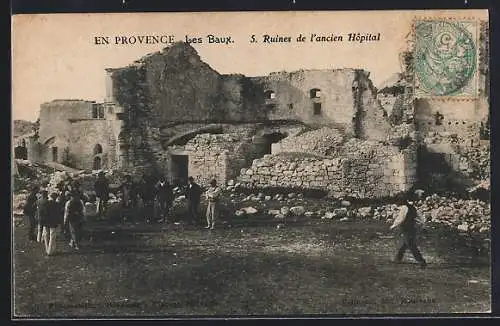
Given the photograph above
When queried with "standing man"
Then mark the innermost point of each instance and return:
(101, 188)
(165, 197)
(50, 223)
(73, 216)
(29, 211)
(406, 221)
(193, 195)
(42, 206)
(212, 194)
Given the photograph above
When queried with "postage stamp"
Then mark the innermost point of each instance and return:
(445, 57)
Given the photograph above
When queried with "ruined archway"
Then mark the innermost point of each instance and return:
(271, 138)
(97, 149)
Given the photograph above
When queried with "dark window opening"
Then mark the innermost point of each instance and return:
(272, 138)
(449, 123)
(21, 152)
(439, 118)
(269, 95)
(97, 149)
(97, 111)
(54, 154)
(290, 106)
(317, 108)
(120, 116)
(429, 123)
(315, 93)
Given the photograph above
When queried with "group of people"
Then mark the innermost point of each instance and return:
(157, 197)
(46, 213)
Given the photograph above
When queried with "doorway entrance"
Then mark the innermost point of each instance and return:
(97, 163)
(54, 154)
(179, 171)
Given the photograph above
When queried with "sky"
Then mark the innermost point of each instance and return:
(55, 56)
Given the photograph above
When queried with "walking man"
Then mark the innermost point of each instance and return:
(212, 194)
(73, 216)
(406, 222)
(193, 195)
(101, 188)
(29, 211)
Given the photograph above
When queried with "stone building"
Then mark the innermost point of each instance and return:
(82, 134)
(171, 113)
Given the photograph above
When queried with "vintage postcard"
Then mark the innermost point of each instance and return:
(250, 164)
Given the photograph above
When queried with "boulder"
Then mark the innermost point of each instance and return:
(267, 198)
(329, 215)
(249, 210)
(463, 227)
(340, 212)
(365, 211)
(273, 212)
(345, 203)
(309, 214)
(230, 183)
(291, 195)
(279, 216)
(285, 210)
(298, 210)
(239, 212)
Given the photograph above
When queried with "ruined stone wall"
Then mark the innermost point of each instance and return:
(366, 170)
(344, 98)
(323, 142)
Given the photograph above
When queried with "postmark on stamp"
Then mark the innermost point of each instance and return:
(445, 58)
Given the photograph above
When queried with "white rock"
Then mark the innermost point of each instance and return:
(345, 203)
(291, 195)
(340, 212)
(249, 210)
(279, 216)
(463, 227)
(239, 212)
(365, 211)
(344, 219)
(329, 215)
(298, 210)
(230, 183)
(308, 214)
(273, 212)
(285, 210)
(267, 198)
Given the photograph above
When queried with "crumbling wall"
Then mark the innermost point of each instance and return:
(323, 142)
(366, 170)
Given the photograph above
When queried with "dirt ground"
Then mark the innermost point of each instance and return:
(247, 267)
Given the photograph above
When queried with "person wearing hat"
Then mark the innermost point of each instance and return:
(43, 212)
(101, 188)
(73, 217)
(29, 211)
(212, 195)
(406, 223)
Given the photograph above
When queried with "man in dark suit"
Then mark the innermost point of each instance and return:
(193, 195)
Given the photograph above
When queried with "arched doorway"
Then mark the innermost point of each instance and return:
(97, 149)
(97, 163)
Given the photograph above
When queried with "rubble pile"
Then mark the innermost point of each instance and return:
(29, 174)
(85, 178)
(479, 161)
(322, 142)
(467, 215)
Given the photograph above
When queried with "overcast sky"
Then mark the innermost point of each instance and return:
(55, 56)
